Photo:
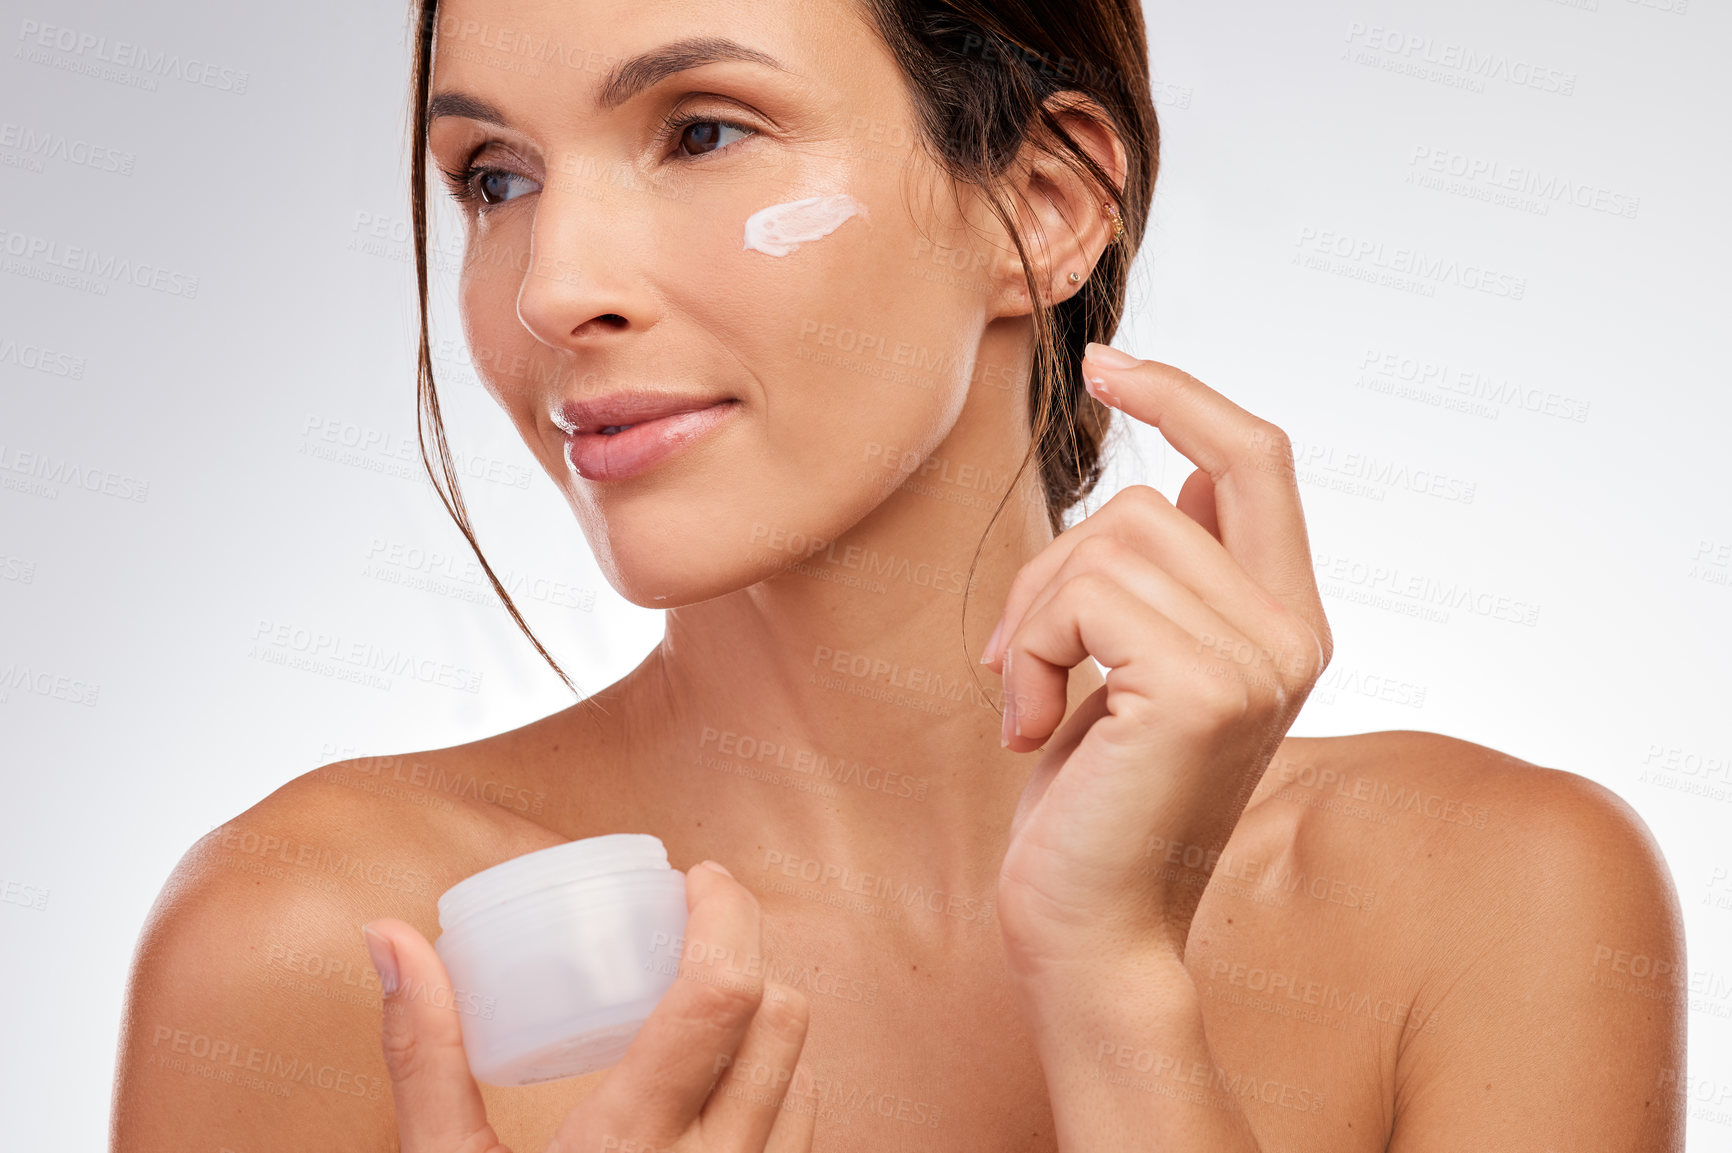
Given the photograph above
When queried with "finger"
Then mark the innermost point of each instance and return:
(1157, 689)
(1058, 749)
(1039, 690)
(1261, 636)
(661, 1083)
(1143, 518)
(1063, 627)
(747, 1101)
(439, 1105)
(798, 1118)
(1197, 501)
(1248, 459)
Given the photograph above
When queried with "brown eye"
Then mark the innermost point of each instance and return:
(704, 136)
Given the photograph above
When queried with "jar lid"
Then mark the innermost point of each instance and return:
(545, 868)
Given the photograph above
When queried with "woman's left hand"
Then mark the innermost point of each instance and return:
(1207, 617)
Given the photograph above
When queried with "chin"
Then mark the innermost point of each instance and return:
(704, 532)
(671, 582)
(665, 555)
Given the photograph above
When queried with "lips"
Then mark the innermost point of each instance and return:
(625, 435)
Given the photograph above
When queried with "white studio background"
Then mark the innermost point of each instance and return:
(1470, 254)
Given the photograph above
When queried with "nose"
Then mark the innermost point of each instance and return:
(583, 285)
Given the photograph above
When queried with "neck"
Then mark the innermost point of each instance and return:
(837, 712)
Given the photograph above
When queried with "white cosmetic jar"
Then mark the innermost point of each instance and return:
(557, 957)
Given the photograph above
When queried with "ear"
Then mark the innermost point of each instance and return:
(1060, 212)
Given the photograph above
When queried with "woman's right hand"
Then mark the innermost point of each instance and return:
(707, 1073)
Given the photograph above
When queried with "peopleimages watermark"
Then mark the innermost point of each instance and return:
(1470, 390)
(1415, 594)
(876, 676)
(721, 964)
(1670, 7)
(1364, 473)
(868, 562)
(255, 1067)
(278, 642)
(324, 862)
(348, 981)
(837, 769)
(1718, 889)
(1711, 563)
(17, 569)
(338, 441)
(1322, 997)
(392, 237)
(383, 774)
(87, 269)
(40, 474)
(462, 578)
(105, 59)
(19, 677)
(1381, 800)
(894, 891)
(1350, 680)
(1689, 771)
(1527, 187)
(29, 147)
(1457, 65)
(29, 896)
(1705, 1095)
(1261, 882)
(39, 358)
(1191, 1075)
(1398, 266)
(1640, 975)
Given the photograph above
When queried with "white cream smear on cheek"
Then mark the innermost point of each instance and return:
(781, 228)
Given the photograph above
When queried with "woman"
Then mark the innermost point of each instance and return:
(803, 306)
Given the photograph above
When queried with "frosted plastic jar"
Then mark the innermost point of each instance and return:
(557, 957)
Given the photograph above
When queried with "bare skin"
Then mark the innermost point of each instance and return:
(1394, 947)
(1434, 962)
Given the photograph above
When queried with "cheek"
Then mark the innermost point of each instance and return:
(507, 358)
(781, 229)
(852, 347)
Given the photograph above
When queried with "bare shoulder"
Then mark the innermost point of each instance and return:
(1475, 814)
(1532, 912)
(252, 1015)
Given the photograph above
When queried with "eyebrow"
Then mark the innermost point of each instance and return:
(632, 76)
(469, 107)
(625, 80)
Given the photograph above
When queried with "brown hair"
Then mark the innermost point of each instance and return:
(980, 73)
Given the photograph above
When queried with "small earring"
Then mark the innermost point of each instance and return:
(1118, 221)
(1075, 279)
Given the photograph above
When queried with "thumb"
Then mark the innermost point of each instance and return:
(1055, 753)
(1197, 501)
(439, 1106)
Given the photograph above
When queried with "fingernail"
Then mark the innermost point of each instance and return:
(1107, 356)
(991, 641)
(384, 956)
(718, 867)
(1097, 388)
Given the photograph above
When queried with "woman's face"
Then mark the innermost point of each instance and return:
(607, 266)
